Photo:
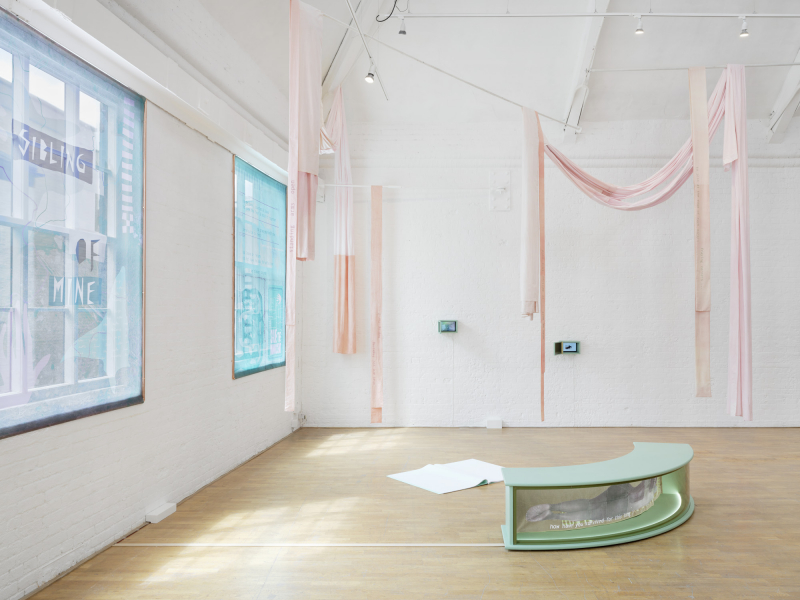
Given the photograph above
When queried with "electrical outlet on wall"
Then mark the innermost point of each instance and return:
(298, 420)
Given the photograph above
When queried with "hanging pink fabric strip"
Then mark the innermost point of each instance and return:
(531, 175)
(702, 230)
(344, 321)
(295, 19)
(376, 301)
(532, 241)
(309, 100)
(540, 161)
(306, 214)
(734, 157)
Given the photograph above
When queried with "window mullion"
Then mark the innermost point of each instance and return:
(71, 111)
(18, 210)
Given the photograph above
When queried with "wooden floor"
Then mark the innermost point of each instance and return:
(330, 486)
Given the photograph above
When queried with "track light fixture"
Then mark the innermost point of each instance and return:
(370, 74)
(639, 28)
(402, 26)
(744, 32)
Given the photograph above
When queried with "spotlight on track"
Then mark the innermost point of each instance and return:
(639, 28)
(402, 26)
(744, 32)
(370, 75)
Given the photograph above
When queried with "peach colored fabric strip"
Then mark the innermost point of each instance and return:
(376, 302)
(344, 296)
(532, 267)
(306, 214)
(529, 247)
(344, 305)
(540, 161)
(702, 230)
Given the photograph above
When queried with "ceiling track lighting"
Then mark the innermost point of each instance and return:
(402, 26)
(639, 28)
(370, 74)
(744, 32)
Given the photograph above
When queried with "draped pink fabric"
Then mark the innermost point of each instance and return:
(344, 300)
(728, 99)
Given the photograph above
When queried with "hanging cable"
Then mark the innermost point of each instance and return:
(390, 14)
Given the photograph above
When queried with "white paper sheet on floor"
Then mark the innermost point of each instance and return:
(452, 477)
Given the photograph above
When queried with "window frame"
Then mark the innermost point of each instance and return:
(267, 367)
(18, 222)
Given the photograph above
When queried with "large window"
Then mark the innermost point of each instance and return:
(71, 236)
(260, 271)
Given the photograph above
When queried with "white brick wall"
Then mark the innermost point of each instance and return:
(620, 283)
(69, 490)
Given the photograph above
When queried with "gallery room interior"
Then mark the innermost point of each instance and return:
(403, 299)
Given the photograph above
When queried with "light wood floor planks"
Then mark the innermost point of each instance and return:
(329, 486)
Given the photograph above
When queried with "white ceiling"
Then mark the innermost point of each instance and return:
(531, 61)
(670, 42)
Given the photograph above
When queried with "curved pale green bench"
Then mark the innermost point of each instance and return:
(636, 496)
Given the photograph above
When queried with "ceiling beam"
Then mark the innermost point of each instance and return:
(785, 105)
(583, 70)
(351, 48)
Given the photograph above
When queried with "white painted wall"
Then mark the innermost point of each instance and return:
(92, 32)
(68, 491)
(620, 283)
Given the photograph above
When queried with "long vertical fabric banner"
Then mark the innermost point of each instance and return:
(532, 243)
(540, 160)
(702, 231)
(305, 35)
(376, 302)
(291, 199)
(344, 267)
(309, 116)
(734, 157)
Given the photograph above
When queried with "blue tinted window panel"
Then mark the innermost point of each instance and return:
(71, 236)
(260, 271)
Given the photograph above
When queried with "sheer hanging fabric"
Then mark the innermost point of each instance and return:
(702, 231)
(334, 138)
(729, 100)
(532, 269)
(376, 302)
(309, 121)
(305, 38)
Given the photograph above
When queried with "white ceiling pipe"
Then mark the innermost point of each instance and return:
(796, 64)
(430, 66)
(371, 60)
(584, 15)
